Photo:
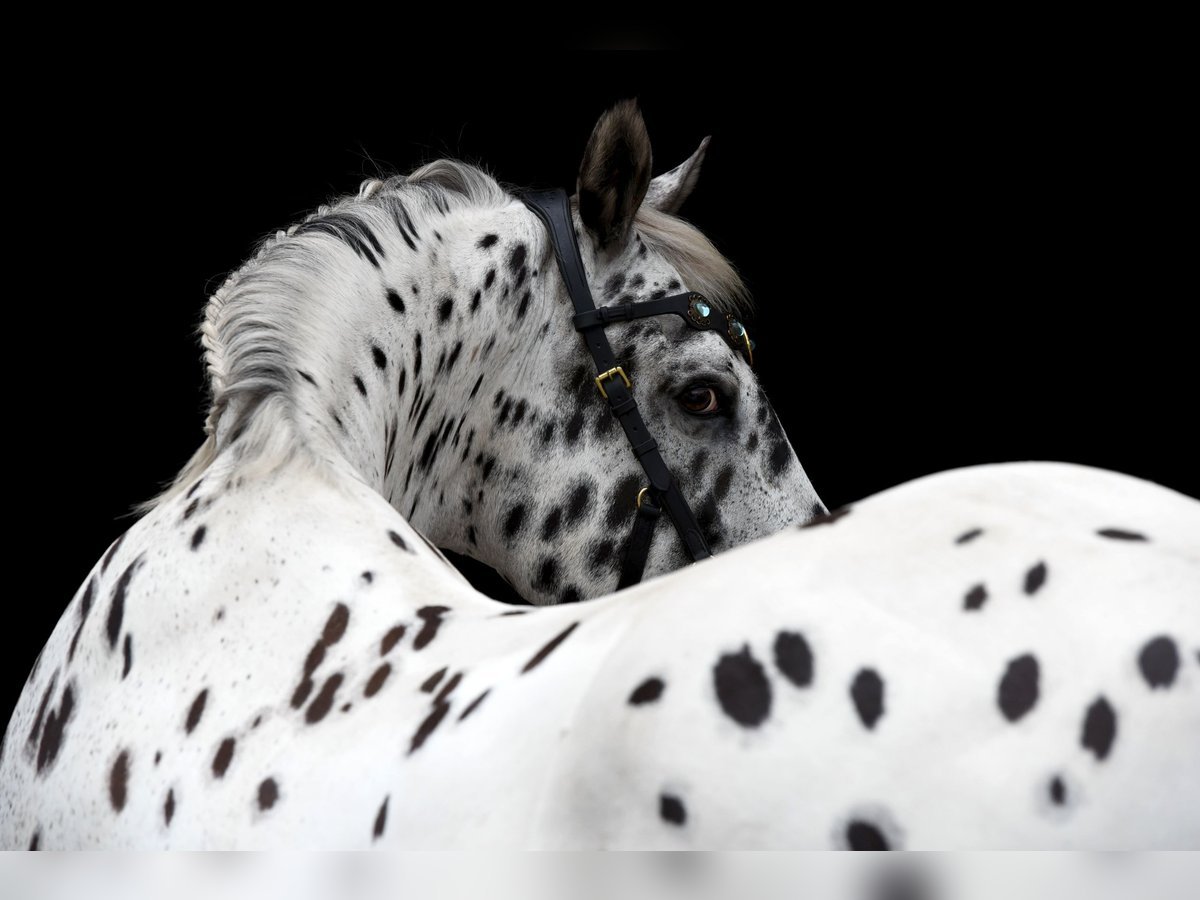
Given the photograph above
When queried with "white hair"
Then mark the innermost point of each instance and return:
(251, 328)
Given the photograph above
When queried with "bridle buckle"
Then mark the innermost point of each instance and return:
(612, 373)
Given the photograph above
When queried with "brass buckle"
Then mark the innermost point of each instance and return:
(604, 376)
(642, 493)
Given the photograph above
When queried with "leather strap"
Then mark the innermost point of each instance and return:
(686, 306)
(633, 566)
(625, 312)
(552, 208)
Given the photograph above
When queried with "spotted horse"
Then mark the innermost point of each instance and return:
(276, 655)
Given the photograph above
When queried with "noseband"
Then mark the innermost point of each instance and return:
(552, 208)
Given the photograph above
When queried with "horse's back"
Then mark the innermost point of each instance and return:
(1004, 656)
(294, 667)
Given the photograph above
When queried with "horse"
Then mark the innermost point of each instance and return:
(277, 653)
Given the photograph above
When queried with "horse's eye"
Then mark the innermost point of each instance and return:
(700, 400)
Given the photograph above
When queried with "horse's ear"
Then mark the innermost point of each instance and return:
(668, 191)
(614, 174)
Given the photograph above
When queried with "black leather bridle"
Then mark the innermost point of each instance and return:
(615, 386)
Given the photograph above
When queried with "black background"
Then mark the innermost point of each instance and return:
(953, 264)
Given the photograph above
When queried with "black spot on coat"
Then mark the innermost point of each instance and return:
(85, 606)
(722, 482)
(578, 502)
(118, 781)
(516, 258)
(431, 621)
(573, 427)
(671, 809)
(742, 688)
(622, 500)
(793, 657)
(394, 635)
(551, 524)
(1159, 662)
(268, 793)
(867, 693)
(1099, 728)
(975, 598)
(430, 684)
(514, 521)
(223, 757)
(380, 820)
(316, 656)
(474, 704)
(319, 708)
(426, 728)
(116, 545)
(1120, 534)
(968, 536)
(1058, 791)
(55, 730)
(861, 835)
(649, 691)
(303, 689)
(1019, 687)
(780, 458)
(198, 537)
(41, 713)
(335, 625)
(547, 574)
(538, 658)
(378, 678)
(1035, 578)
(116, 610)
(448, 688)
(602, 557)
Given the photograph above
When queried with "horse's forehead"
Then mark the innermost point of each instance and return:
(636, 268)
(693, 349)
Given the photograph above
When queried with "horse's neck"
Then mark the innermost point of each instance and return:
(398, 365)
(343, 522)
